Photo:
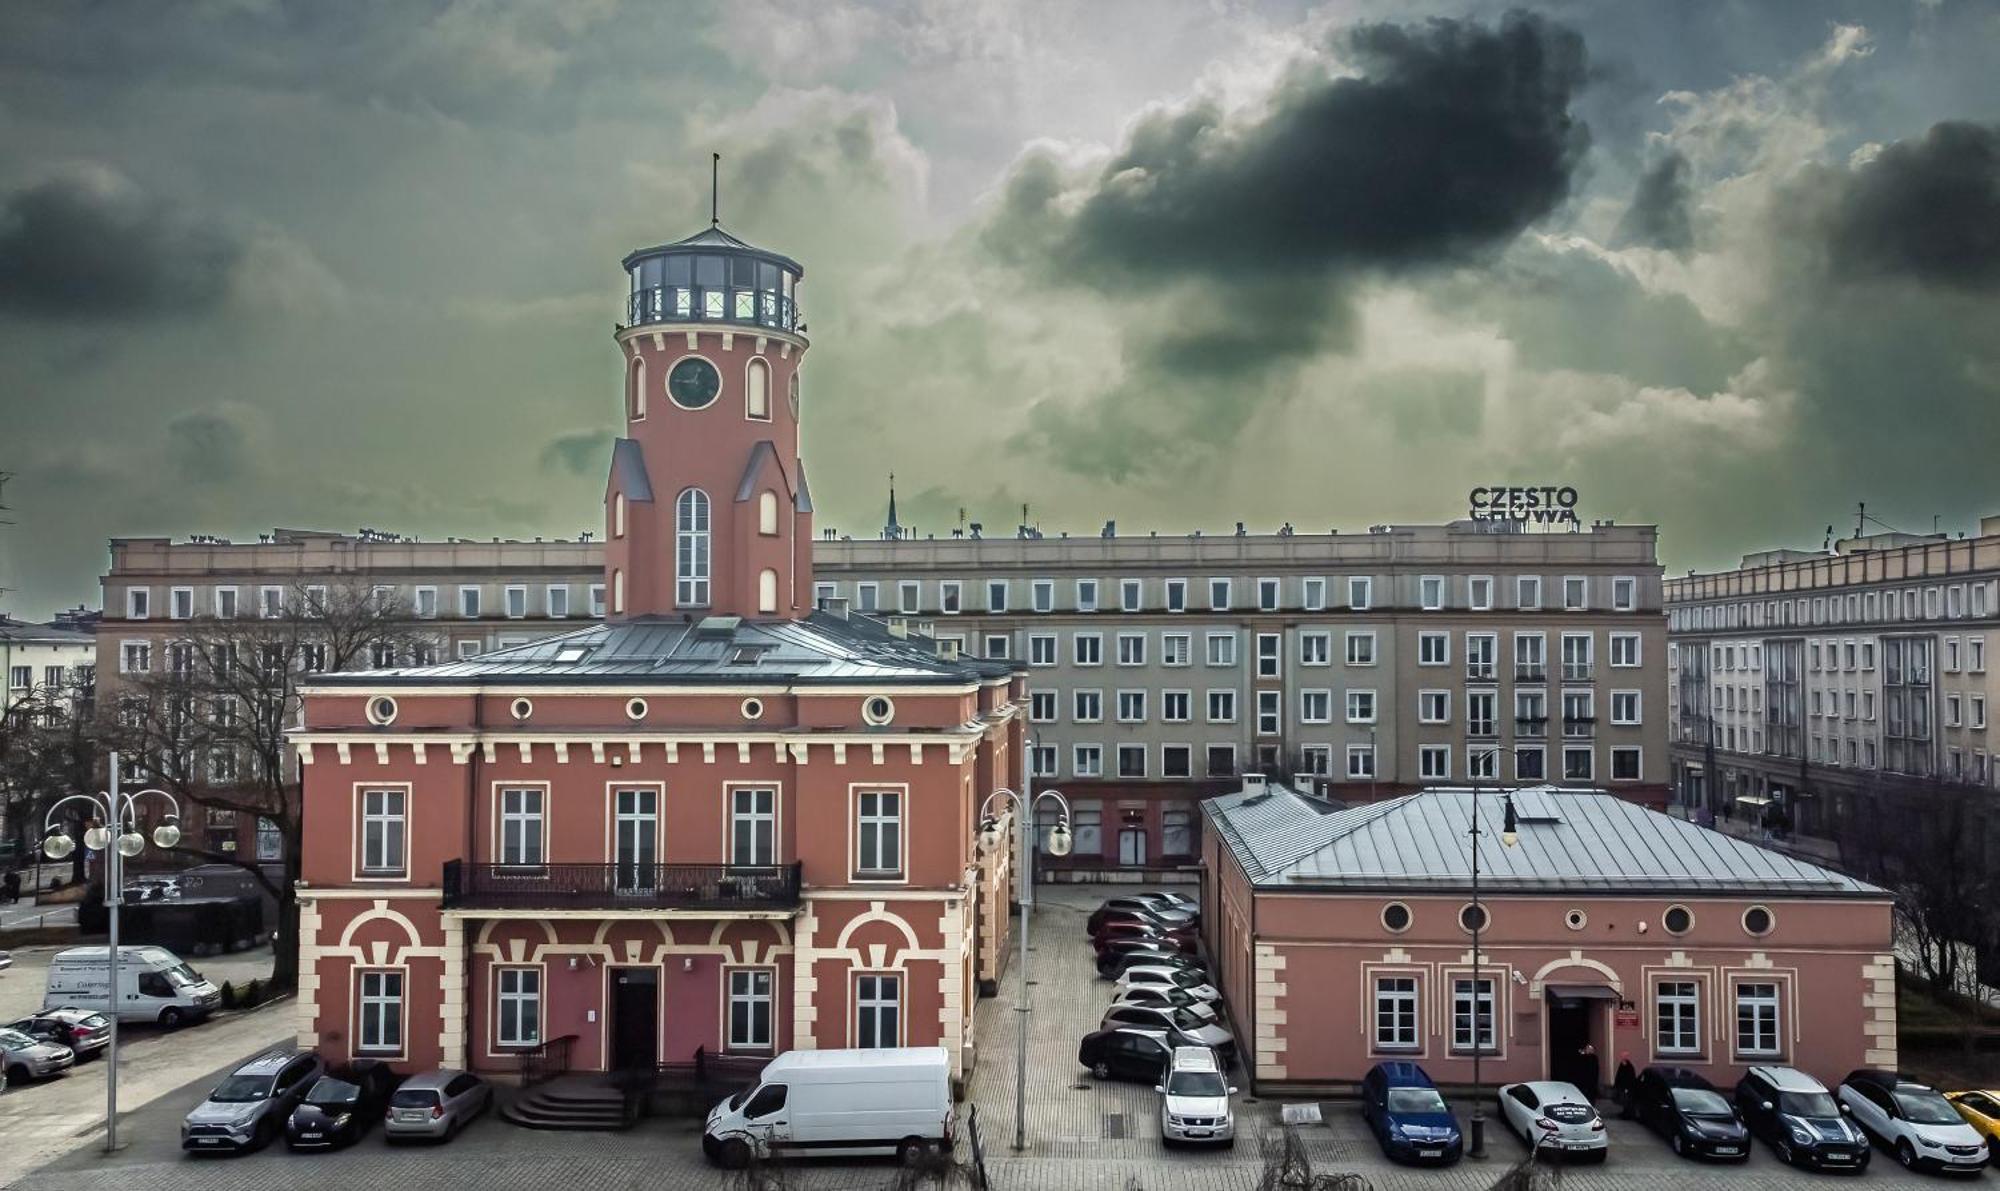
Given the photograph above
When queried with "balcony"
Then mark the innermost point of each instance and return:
(744, 306)
(1578, 672)
(1531, 674)
(620, 887)
(1531, 726)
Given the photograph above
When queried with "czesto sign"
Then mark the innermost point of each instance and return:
(1532, 506)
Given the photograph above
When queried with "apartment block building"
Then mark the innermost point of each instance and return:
(1161, 667)
(1806, 678)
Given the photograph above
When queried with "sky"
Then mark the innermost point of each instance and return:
(1726, 266)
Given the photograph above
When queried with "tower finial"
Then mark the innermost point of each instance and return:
(893, 530)
(714, 189)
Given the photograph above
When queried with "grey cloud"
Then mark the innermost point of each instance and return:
(1927, 210)
(212, 446)
(1659, 215)
(579, 452)
(89, 244)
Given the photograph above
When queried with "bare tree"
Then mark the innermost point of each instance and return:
(208, 721)
(1927, 844)
(49, 748)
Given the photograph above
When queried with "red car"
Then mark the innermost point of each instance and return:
(1131, 934)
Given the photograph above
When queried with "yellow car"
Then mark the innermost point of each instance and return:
(1981, 1110)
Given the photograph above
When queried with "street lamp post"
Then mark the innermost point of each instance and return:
(1023, 806)
(1508, 834)
(117, 837)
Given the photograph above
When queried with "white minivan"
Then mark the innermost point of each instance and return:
(153, 985)
(893, 1100)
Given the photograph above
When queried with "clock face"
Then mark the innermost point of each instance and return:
(693, 383)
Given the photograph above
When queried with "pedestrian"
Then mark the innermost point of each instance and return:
(1586, 1071)
(1625, 1087)
(1772, 815)
(13, 886)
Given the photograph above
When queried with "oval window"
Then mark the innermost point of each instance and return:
(1396, 917)
(879, 709)
(522, 709)
(1473, 917)
(1678, 920)
(381, 710)
(635, 709)
(1758, 921)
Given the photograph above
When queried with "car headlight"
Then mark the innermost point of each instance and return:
(1927, 1143)
(340, 1122)
(1801, 1136)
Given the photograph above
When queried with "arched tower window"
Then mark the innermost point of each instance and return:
(618, 591)
(767, 513)
(638, 387)
(757, 393)
(767, 590)
(691, 548)
(618, 515)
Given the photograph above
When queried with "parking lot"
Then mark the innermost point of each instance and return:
(1082, 1134)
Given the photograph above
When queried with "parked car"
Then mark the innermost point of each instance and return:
(436, 1105)
(83, 1031)
(1115, 933)
(1137, 912)
(1408, 1115)
(1125, 1053)
(1555, 1117)
(1794, 1115)
(1981, 1110)
(339, 1109)
(1191, 981)
(1186, 1028)
(153, 985)
(1697, 1121)
(1194, 1099)
(1163, 997)
(1912, 1121)
(1114, 960)
(6, 960)
(26, 1057)
(889, 1100)
(1170, 900)
(249, 1107)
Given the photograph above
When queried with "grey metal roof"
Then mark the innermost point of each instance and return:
(1567, 840)
(628, 468)
(823, 648)
(21, 632)
(717, 239)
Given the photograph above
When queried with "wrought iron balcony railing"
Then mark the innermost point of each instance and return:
(620, 886)
(712, 304)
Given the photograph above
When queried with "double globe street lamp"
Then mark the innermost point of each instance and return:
(115, 836)
(1023, 806)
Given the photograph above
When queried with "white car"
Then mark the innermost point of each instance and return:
(1194, 1099)
(1556, 1117)
(1184, 1023)
(1161, 997)
(1912, 1121)
(1195, 984)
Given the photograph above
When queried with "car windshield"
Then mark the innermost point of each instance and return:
(15, 1038)
(1414, 1100)
(93, 1021)
(414, 1098)
(242, 1089)
(1927, 1108)
(1196, 1083)
(333, 1091)
(184, 976)
(1700, 1102)
(1807, 1104)
(1189, 979)
(1183, 1020)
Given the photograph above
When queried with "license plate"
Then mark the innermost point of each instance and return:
(1727, 1151)
(1200, 1133)
(208, 1141)
(308, 1137)
(1430, 1153)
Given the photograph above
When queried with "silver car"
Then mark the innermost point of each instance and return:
(436, 1105)
(1194, 1099)
(248, 1109)
(27, 1058)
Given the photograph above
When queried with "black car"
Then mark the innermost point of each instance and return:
(1796, 1116)
(1696, 1120)
(340, 1108)
(1121, 954)
(1134, 1054)
(1162, 919)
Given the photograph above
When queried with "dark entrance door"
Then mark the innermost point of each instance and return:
(635, 1018)
(1569, 1033)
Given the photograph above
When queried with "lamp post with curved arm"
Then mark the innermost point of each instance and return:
(1508, 834)
(116, 835)
(1023, 806)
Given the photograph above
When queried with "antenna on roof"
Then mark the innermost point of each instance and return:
(714, 189)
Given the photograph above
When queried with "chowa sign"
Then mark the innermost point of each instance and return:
(1531, 506)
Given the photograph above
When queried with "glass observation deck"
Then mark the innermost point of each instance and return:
(713, 277)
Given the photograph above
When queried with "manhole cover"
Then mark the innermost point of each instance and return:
(1114, 1126)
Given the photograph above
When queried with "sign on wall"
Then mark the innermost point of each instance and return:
(1546, 506)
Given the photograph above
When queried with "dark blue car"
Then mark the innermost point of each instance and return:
(1410, 1119)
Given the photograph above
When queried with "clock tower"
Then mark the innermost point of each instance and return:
(707, 512)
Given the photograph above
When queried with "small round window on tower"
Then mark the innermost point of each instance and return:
(1576, 919)
(381, 710)
(1757, 920)
(878, 709)
(635, 709)
(753, 709)
(522, 709)
(1473, 917)
(1678, 920)
(1396, 917)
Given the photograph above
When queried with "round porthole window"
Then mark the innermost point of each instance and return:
(1576, 919)
(522, 709)
(753, 709)
(878, 709)
(1678, 920)
(381, 710)
(1396, 917)
(1758, 921)
(635, 709)
(1473, 917)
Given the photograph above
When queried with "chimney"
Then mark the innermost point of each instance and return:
(834, 606)
(1253, 782)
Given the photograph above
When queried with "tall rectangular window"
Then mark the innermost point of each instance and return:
(468, 602)
(1479, 712)
(1624, 594)
(1576, 590)
(1361, 647)
(1174, 649)
(996, 595)
(558, 601)
(909, 596)
(1042, 649)
(1174, 707)
(521, 826)
(878, 834)
(1087, 649)
(1528, 592)
(427, 603)
(1314, 594)
(948, 597)
(1576, 657)
(1042, 706)
(1433, 761)
(382, 833)
(1269, 712)
(865, 596)
(517, 603)
(520, 1006)
(1677, 1010)
(1472, 1016)
(1218, 595)
(1268, 594)
(753, 826)
(1269, 660)
(878, 1005)
(182, 605)
(1433, 649)
(1360, 589)
(1131, 595)
(1176, 595)
(1131, 649)
(1042, 592)
(1395, 1013)
(1431, 592)
(379, 1012)
(750, 1009)
(1757, 1019)
(225, 603)
(1086, 595)
(1315, 648)
(1222, 649)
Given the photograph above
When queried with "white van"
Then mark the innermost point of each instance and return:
(895, 1100)
(153, 985)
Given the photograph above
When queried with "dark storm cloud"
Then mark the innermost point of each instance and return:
(1927, 210)
(580, 452)
(210, 446)
(1658, 216)
(89, 244)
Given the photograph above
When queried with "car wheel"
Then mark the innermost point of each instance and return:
(172, 1018)
(912, 1150)
(1906, 1154)
(17, 1074)
(1101, 1069)
(1678, 1146)
(1785, 1154)
(735, 1153)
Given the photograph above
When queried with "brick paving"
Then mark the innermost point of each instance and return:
(1081, 1138)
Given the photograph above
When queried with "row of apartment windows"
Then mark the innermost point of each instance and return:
(21, 679)
(1434, 593)
(226, 603)
(1943, 602)
(1398, 1019)
(1316, 706)
(310, 657)
(1434, 761)
(1359, 647)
